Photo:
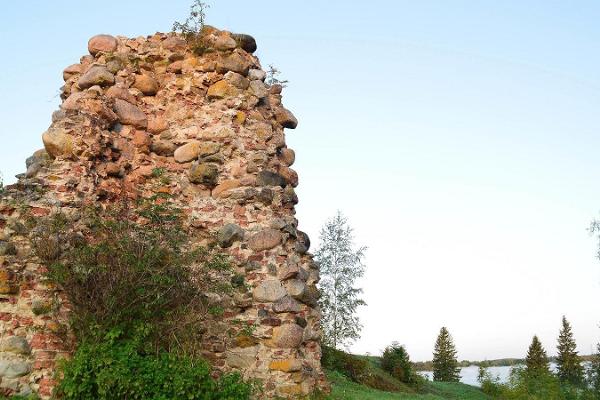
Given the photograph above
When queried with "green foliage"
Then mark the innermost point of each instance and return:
(594, 373)
(340, 265)
(568, 363)
(536, 361)
(539, 384)
(489, 384)
(396, 361)
(273, 74)
(534, 384)
(132, 266)
(594, 229)
(139, 295)
(194, 23)
(345, 389)
(114, 370)
(348, 365)
(192, 28)
(1, 183)
(360, 370)
(445, 364)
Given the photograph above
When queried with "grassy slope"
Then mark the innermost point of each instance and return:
(345, 389)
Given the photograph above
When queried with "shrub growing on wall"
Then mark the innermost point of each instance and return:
(139, 295)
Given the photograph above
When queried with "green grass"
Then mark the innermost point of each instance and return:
(344, 389)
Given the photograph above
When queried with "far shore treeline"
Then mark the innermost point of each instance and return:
(500, 362)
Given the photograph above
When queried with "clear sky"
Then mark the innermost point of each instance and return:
(461, 138)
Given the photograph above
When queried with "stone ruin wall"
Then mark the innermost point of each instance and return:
(144, 116)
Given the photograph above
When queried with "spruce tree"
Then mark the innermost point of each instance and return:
(445, 364)
(536, 361)
(340, 265)
(568, 363)
(396, 361)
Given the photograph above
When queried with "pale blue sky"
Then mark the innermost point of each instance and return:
(460, 137)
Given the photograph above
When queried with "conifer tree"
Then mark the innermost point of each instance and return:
(445, 364)
(396, 361)
(594, 373)
(536, 361)
(568, 363)
(340, 265)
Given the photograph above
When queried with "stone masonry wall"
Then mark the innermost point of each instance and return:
(148, 115)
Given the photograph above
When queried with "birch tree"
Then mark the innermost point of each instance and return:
(341, 264)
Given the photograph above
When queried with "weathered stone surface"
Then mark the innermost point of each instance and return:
(15, 344)
(88, 102)
(269, 178)
(224, 187)
(311, 296)
(289, 196)
(204, 173)
(291, 390)
(289, 272)
(208, 148)
(286, 365)
(58, 143)
(174, 43)
(290, 176)
(115, 66)
(14, 368)
(7, 248)
(288, 336)
(32, 170)
(157, 124)
(163, 147)
(287, 304)
(97, 75)
(175, 67)
(117, 92)
(221, 90)
(245, 339)
(142, 141)
(275, 88)
(258, 89)
(241, 358)
(102, 43)
(188, 152)
(246, 42)
(224, 42)
(257, 75)
(265, 240)
(269, 291)
(287, 156)
(72, 70)
(237, 80)
(286, 118)
(233, 186)
(130, 114)
(229, 234)
(234, 62)
(146, 84)
(40, 156)
(303, 243)
(295, 288)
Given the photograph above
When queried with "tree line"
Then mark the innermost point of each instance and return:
(342, 264)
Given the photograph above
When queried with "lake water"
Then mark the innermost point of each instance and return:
(468, 375)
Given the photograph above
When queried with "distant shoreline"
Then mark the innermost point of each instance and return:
(501, 362)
